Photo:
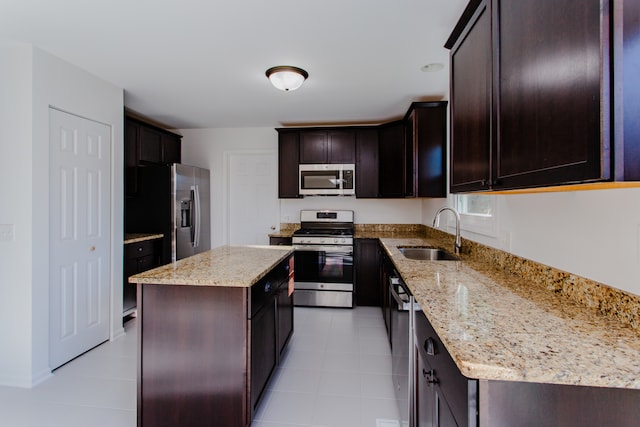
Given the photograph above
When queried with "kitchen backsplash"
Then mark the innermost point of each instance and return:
(611, 302)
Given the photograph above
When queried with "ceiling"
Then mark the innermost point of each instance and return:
(202, 63)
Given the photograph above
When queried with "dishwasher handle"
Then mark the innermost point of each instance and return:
(403, 305)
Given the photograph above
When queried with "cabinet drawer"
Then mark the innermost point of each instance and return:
(135, 250)
(454, 385)
(262, 294)
(280, 241)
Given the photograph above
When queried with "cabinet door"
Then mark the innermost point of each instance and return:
(131, 157)
(313, 147)
(443, 415)
(171, 149)
(367, 163)
(392, 160)
(150, 145)
(367, 277)
(288, 158)
(341, 147)
(471, 114)
(263, 350)
(430, 129)
(627, 64)
(548, 81)
(285, 315)
(129, 289)
(425, 394)
(410, 154)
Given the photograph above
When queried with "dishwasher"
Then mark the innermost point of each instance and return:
(402, 310)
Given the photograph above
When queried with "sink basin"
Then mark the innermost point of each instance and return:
(426, 253)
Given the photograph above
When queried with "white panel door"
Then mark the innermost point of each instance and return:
(79, 235)
(254, 208)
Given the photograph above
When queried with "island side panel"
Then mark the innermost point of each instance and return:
(192, 355)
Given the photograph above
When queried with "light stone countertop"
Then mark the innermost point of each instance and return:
(499, 326)
(230, 266)
(140, 237)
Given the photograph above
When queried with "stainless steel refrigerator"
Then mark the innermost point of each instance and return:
(191, 211)
(173, 200)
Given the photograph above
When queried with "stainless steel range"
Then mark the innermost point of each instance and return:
(324, 259)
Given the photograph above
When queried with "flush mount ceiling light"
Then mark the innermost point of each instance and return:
(286, 77)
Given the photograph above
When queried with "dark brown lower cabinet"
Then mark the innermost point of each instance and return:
(263, 345)
(280, 241)
(444, 397)
(367, 273)
(206, 353)
(285, 314)
(431, 407)
(138, 257)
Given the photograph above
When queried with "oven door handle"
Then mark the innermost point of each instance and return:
(325, 248)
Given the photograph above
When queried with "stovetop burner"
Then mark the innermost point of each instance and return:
(325, 227)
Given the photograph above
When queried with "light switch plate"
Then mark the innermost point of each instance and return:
(6, 232)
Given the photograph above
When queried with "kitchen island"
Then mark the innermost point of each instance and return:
(211, 329)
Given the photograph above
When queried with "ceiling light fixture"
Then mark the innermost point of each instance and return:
(286, 77)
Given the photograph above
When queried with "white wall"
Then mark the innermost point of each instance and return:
(366, 211)
(594, 234)
(38, 81)
(206, 148)
(15, 209)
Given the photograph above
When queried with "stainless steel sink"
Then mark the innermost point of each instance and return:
(426, 253)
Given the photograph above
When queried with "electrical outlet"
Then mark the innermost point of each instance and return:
(6, 232)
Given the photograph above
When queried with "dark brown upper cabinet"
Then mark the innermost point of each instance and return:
(367, 163)
(470, 147)
(392, 160)
(627, 89)
(425, 148)
(146, 144)
(402, 158)
(327, 146)
(531, 95)
(288, 158)
(150, 144)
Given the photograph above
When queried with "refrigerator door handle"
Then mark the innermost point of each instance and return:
(195, 229)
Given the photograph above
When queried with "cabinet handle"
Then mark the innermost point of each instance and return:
(140, 248)
(429, 376)
(430, 346)
(267, 287)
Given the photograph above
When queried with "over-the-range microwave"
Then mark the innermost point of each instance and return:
(327, 180)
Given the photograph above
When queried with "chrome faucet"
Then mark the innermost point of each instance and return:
(436, 223)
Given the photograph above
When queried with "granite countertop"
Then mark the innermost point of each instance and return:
(141, 237)
(229, 266)
(498, 326)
